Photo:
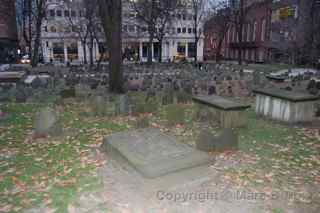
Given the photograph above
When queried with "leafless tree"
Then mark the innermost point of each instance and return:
(198, 10)
(156, 16)
(33, 15)
(111, 19)
(219, 24)
(238, 20)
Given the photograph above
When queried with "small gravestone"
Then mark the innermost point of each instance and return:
(142, 122)
(68, 93)
(167, 97)
(227, 140)
(47, 123)
(123, 105)
(21, 95)
(99, 106)
(175, 114)
(153, 153)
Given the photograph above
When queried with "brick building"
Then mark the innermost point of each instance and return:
(8, 31)
(255, 34)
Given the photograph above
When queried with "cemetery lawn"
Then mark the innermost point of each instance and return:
(53, 172)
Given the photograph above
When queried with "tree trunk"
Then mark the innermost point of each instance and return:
(219, 50)
(35, 55)
(91, 52)
(111, 14)
(84, 48)
(160, 50)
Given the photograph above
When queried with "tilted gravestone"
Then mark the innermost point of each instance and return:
(47, 122)
(227, 140)
(153, 153)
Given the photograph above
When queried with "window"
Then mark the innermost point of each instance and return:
(59, 13)
(184, 30)
(181, 49)
(254, 31)
(184, 17)
(189, 30)
(73, 13)
(45, 28)
(191, 49)
(178, 30)
(66, 13)
(248, 32)
(53, 29)
(263, 30)
(194, 30)
(52, 13)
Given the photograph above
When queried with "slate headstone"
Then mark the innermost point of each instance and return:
(47, 122)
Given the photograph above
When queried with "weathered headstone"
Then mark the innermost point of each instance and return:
(153, 153)
(227, 140)
(47, 122)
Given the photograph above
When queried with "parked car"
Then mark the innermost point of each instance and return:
(25, 59)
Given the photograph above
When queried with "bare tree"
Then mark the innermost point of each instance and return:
(197, 7)
(111, 18)
(33, 15)
(219, 24)
(238, 19)
(164, 21)
(147, 13)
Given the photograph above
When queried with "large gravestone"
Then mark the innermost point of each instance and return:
(153, 153)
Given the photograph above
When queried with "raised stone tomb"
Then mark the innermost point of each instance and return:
(286, 106)
(229, 113)
(152, 153)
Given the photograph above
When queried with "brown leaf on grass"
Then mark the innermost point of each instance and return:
(18, 183)
(65, 183)
(6, 208)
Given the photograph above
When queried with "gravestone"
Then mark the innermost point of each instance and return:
(47, 123)
(123, 105)
(227, 140)
(153, 153)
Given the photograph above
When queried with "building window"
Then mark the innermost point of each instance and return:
(184, 30)
(59, 13)
(52, 13)
(73, 13)
(189, 30)
(53, 29)
(72, 50)
(248, 32)
(254, 31)
(181, 49)
(58, 51)
(178, 30)
(263, 30)
(45, 29)
(191, 49)
(66, 13)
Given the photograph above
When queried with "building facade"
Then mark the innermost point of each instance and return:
(255, 34)
(8, 31)
(64, 41)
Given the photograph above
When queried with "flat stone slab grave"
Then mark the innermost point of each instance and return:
(286, 106)
(229, 113)
(153, 153)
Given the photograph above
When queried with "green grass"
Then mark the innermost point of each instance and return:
(55, 170)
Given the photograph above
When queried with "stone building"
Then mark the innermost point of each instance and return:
(8, 31)
(290, 33)
(61, 42)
